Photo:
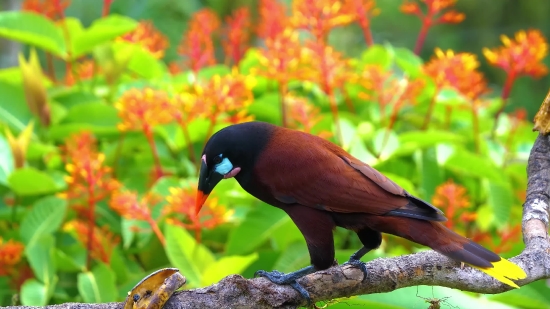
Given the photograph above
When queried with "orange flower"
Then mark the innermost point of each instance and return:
(432, 16)
(521, 56)
(89, 180)
(458, 71)
(273, 18)
(280, 59)
(224, 94)
(433, 7)
(141, 109)
(303, 115)
(127, 204)
(103, 241)
(319, 16)
(326, 66)
(382, 87)
(452, 199)
(52, 9)
(181, 210)
(10, 254)
(236, 34)
(149, 37)
(84, 70)
(196, 46)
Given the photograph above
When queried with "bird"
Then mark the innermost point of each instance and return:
(321, 187)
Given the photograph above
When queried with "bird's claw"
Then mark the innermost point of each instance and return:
(359, 264)
(280, 278)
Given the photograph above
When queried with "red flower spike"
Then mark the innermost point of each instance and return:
(236, 35)
(452, 199)
(127, 204)
(102, 239)
(52, 9)
(458, 71)
(223, 95)
(149, 38)
(521, 56)
(319, 16)
(434, 15)
(196, 46)
(89, 181)
(273, 19)
(181, 211)
(143, 109)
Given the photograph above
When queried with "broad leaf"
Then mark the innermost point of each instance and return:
(45, 217)
(500, 199)
(33, 29)
(101, 31)
(29, 181)
(97, 286)
(6, 161)
(13, 107)
(226, 266)
(257, 227)
(40, 255)
(186, 254)
(34, 293)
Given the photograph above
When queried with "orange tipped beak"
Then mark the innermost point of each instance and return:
(201, 198)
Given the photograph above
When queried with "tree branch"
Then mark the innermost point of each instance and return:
(387, 274)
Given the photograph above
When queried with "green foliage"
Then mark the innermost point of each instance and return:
(120, 186)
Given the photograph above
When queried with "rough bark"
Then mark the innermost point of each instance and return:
(387, 274)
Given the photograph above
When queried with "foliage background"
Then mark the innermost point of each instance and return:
(98, 167)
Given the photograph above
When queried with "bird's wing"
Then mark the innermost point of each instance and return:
(310, 171)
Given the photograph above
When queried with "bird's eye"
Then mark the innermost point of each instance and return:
(217, 160)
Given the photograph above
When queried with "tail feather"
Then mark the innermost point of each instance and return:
(443, 240)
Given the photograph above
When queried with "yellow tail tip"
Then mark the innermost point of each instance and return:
(505, 271)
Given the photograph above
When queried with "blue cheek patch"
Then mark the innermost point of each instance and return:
(223, 167)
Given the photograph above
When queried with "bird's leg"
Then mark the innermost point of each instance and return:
(280, 278)
(355, 260)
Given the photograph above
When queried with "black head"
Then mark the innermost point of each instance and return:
(230, 152)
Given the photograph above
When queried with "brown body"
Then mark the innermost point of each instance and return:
(321, 186)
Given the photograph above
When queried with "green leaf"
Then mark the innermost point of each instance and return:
(295, 256)
(500, 199)
(33, 29)
(414, 140)
(186, 254)
(256, 228)
(408, 61)
(34, 293)
(267, 108)
(30, 181)
(385, 143)
(226, 266)
(532, 296)
(45, 217)
(13, 109)
(450, 97)
(377, 54)
(40, 255)
(97, 286)
(430, 173)
(6, 161)
(95, 114)
(143, 63)
(101, 31)
(470, 164)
